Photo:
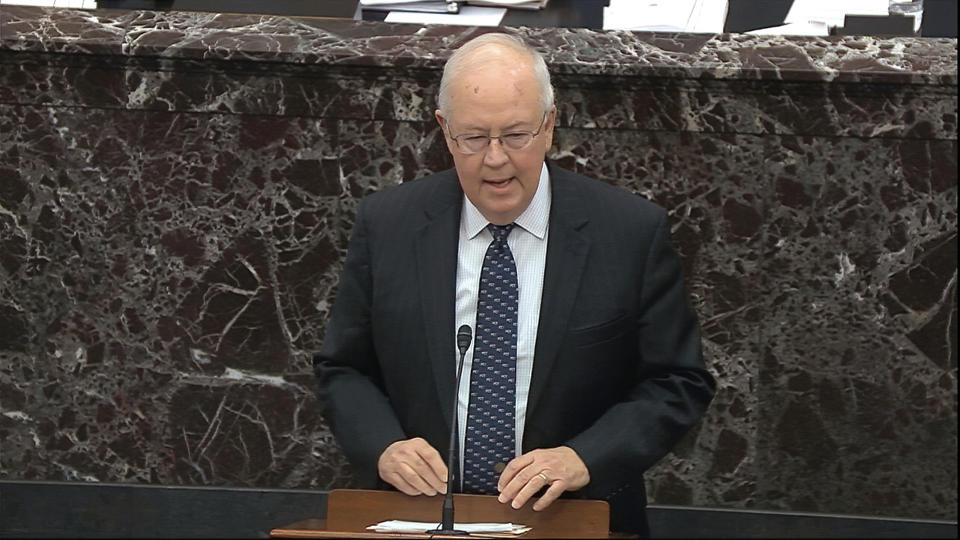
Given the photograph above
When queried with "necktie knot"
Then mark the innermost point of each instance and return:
(500, 232)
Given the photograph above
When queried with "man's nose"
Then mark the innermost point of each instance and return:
(495, 154)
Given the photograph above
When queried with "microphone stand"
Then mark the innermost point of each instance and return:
(464, 336)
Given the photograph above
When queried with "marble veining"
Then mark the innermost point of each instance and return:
(267, 38)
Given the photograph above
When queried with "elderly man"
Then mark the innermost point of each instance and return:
(586, 366)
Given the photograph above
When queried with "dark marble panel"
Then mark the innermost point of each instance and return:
(178, 85)
(757, 107)
(859, 367)
(212, 36)
(377, 154)
(158, 298)
(354, 73)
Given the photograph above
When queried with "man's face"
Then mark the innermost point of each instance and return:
(499, 97)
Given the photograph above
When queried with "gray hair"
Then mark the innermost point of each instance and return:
(459, 62)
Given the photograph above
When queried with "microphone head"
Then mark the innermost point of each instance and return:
(464, 337)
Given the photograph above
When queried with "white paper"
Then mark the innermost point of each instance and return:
(37, 3)
(832, 12)
(650, 15)
(386, 2)
(468, 16)
(709, 16)
(813, 28)
(666, 15)
(400, 526)
(69, 4)
(522, 3)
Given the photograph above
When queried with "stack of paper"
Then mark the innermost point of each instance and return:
(467, 16)
(512, 4)
(832, 12)
(400, 526)
(811, 28)
(435, 6)
(69, 4)
(699, 16)
(816, 17)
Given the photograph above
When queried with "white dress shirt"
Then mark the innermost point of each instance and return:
(528, 243)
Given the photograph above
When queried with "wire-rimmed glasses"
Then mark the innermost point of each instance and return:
(515, 140)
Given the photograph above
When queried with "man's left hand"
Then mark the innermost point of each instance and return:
(559, 468)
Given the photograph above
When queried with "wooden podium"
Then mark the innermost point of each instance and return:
(351, 511)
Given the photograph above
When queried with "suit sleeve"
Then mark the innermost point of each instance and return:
(350, 389)
(672, 389)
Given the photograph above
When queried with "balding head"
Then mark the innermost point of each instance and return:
(493, 51)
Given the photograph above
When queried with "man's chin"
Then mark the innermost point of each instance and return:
(501, 214)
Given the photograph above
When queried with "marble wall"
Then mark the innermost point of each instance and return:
(177, 189)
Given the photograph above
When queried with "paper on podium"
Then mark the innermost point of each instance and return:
(812, 28)
(832, 12)
(468, 16)
(512, 4)
(697, 16)
(400, 526)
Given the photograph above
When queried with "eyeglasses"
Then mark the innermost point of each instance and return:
(515, 140)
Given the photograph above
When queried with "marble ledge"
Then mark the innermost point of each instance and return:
(210, 36)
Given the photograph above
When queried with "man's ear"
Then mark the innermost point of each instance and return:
(444, 129)
(549, 124)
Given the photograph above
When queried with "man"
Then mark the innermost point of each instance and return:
(586, 367)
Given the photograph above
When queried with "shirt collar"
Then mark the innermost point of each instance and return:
(534, 218)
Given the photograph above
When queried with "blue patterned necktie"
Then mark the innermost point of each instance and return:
(490, 437)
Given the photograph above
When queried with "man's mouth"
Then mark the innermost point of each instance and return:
(498, 183)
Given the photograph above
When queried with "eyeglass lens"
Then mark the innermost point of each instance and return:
(513, 141)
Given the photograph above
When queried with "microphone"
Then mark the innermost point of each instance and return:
(464, 336)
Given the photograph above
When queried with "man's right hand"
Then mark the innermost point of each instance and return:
(414, 467)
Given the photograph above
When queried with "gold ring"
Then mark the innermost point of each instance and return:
(541, 475)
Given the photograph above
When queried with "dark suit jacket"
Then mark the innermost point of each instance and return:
(618, 372)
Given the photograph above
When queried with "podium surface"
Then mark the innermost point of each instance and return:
(351, 511)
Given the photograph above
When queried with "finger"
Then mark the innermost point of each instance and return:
(552, 494)
(435, 470)
(421, 475)
(397, 481)
(516, 465)
(518, 482)
(529, 489)
(407, 459)
(412, 475)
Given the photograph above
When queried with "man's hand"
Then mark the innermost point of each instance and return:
(560, 468)
(414, 467)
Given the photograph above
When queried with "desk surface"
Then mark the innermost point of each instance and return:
(940, 16)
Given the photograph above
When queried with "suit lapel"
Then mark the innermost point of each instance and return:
(567, 250)
(436, 257)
